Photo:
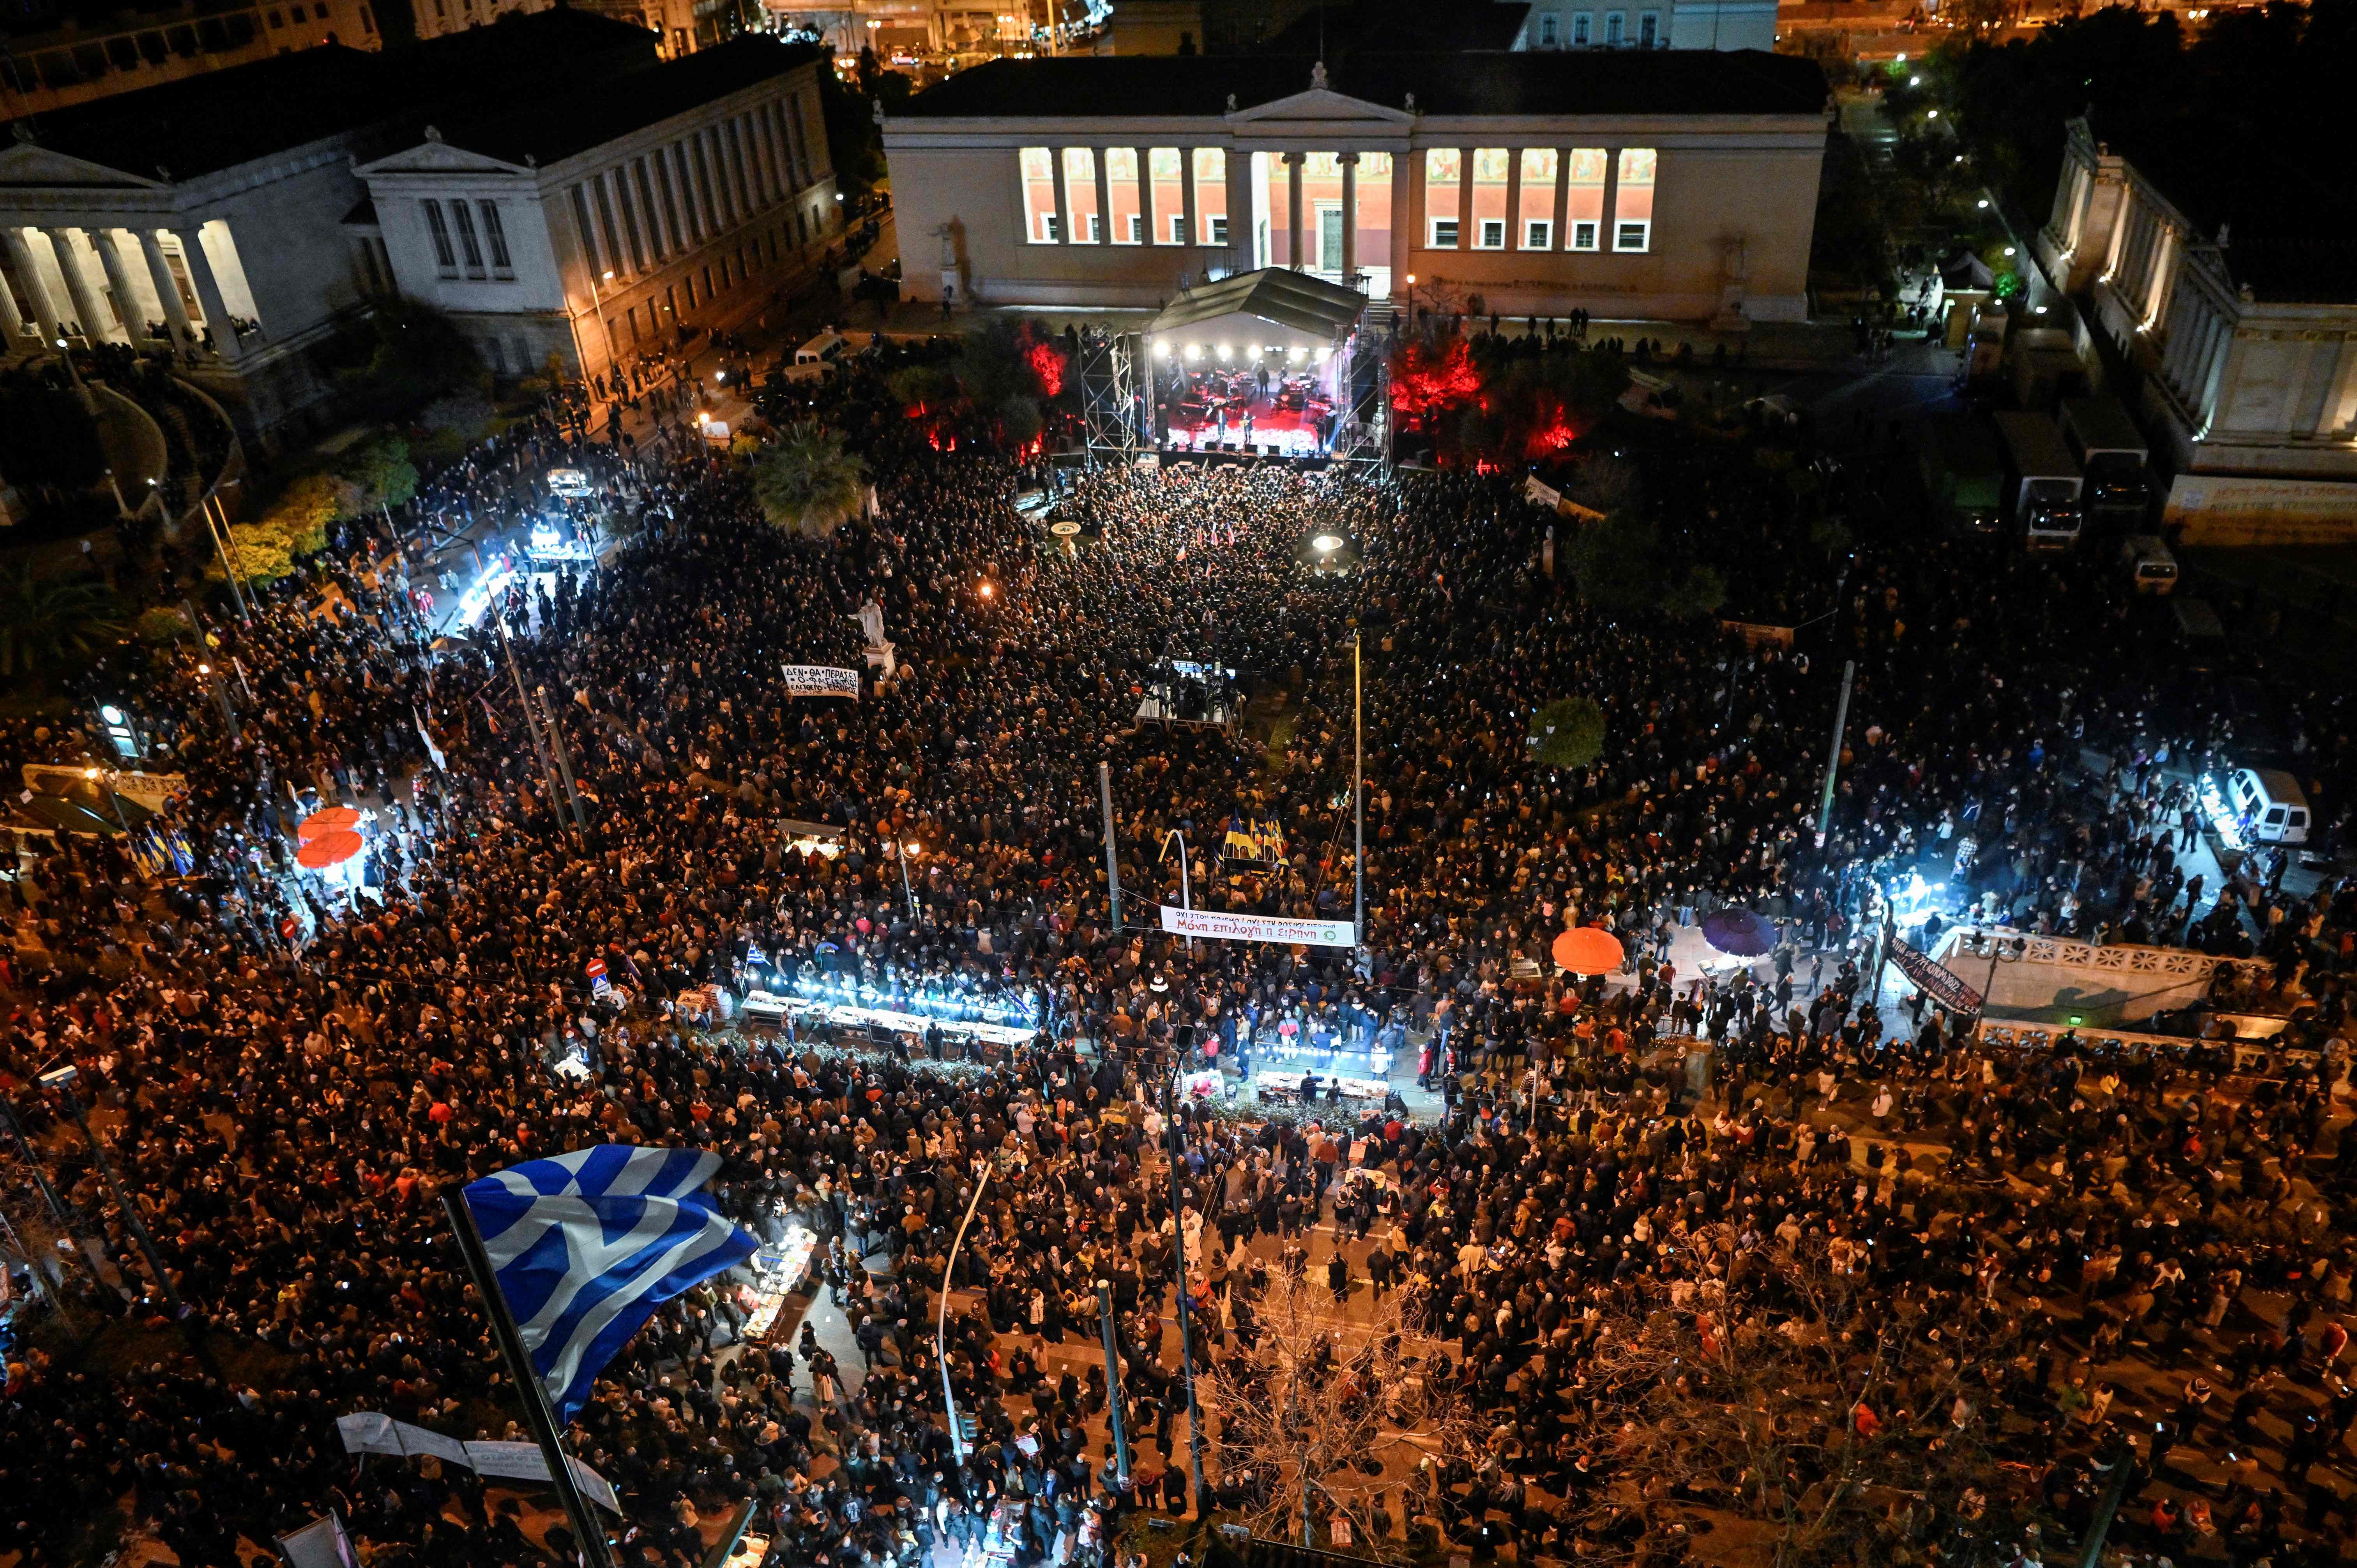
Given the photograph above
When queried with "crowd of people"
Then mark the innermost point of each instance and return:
(286, 1074)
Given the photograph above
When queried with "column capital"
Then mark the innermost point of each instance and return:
(1348, 160)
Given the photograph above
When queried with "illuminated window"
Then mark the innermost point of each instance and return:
(1166, 172)
(1039, 195)
(1489, 169)
(1583, 215)
(1536, 214)
(1122, 196)
(1632, 206)
(1443, 174)
(1212, 196)
(1082, 221)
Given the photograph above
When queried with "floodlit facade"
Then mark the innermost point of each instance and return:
(594, 233)
(2247, 348)
(1657, 185)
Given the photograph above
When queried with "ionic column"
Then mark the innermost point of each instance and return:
(1101, 161)
(208, 293)
(1350, 218)
(1293, 211)
(118, 278)
(37, 288)
(88, 306)
(1187, 198)
(168, 291)
(1064, 225)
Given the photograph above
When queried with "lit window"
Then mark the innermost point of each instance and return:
(1584, 199)
(1632, 206)
(1166, 173)
(1082, 221)
(1039, 194)
(1537, 209)
(1443, 178)
(1211, 194)
(1122, 195)
(445, 258)
(1491, 166)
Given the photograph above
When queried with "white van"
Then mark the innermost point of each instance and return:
(813, 357)
(2272, 802)
(2150, 568)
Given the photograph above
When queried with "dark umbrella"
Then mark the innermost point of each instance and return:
(1738, 932)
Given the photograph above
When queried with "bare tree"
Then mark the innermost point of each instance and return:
(1326, 1415)
(1782, 1386)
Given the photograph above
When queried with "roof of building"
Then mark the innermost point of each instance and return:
(1636, 81)
(1300, 301)
(200, 124)
(2289, 211)
(565, 120)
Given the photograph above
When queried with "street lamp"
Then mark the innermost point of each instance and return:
(60, 1081)
(911, 847)
(113, 799)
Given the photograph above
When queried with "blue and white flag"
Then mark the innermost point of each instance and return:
(586, 1245)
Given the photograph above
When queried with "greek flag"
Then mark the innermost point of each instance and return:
(586, 1246)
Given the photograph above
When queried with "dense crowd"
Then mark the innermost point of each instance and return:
(288, 1076)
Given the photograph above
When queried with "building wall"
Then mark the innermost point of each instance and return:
(1748, 181)
(2231, 385)
(686, 217)
(47, 71)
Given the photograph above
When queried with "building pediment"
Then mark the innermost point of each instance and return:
(1322, 110)
(434, 156)
(27, 165)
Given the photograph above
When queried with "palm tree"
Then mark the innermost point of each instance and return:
(807, 483)
(54, 620)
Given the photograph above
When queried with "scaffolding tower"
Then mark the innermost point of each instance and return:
(1112, 405)
(1363, 433)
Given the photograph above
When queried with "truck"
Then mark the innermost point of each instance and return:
(2041, 481)
(1963, 472)
(2116, 460)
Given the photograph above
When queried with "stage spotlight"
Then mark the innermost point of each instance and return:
(1165, 347)
(1194, 350)
(1226, 352)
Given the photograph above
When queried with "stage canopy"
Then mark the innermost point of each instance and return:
(1254, 313)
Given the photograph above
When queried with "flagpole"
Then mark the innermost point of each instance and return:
(588, 1534)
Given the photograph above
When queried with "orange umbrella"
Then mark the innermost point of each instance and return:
(1588, 950)
(334, 819)
(328, 849)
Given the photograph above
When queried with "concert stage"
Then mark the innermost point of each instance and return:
(1276, 432)
(1183, 694)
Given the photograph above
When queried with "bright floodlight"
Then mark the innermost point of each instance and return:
(1226, 352)
(1326, 543)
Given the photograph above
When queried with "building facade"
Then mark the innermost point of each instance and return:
(1662, 185)
(2249, 368)
(596, 236)
(182, 218)
(73, 62)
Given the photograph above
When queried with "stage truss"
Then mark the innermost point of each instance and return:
(1112, 406)
(1366, 435)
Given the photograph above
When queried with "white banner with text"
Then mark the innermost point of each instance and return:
(1218, 927)
(821, 681)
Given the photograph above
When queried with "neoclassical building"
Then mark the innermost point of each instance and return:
(248, 217)
(2245, 333)
(593, 230)
(1659, 184)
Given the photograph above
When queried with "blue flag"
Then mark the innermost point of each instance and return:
(586, 1245)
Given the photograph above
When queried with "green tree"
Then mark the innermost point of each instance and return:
(305, 508)
(807, 483)
(381, 470)
(1568, 732)
(47, 622)
(1691, 595)
(1614, 563)
(262, 552)
(419, 354)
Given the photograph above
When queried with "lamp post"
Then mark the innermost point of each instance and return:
(597, 308)
(61, 1080)
(224, 543)
(92, 775)
(1186, 1323)
(901, 853)
(1185, 888)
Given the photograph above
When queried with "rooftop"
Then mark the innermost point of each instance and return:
(556, 124)
(1308, 305)
(201, 124)
(1656, 82)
